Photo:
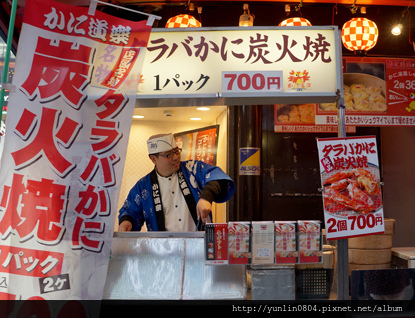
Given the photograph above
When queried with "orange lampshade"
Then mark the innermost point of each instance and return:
(360, 34)
(295, 22)
(183, 21)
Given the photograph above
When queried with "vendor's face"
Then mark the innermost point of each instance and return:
(167, 162)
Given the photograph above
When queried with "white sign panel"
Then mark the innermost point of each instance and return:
(194, 63)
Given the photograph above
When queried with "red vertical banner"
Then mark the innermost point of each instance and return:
(352, 194)
(68, 123)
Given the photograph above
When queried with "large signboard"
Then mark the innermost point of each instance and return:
(239, 66)
(352, 194)
(67, 131)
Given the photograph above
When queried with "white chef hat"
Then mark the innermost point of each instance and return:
(160, 143)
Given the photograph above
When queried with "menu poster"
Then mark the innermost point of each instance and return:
(352, 195)
(301, 118)
(200, 144)
(377, 92)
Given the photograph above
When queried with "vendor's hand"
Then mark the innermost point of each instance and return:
(203, 209)
(125, 226)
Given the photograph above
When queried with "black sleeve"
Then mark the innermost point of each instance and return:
(214, 190)
(126, 218)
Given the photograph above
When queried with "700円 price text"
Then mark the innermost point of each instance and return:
(354, 222)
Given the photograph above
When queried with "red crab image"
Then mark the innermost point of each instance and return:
(355, 189)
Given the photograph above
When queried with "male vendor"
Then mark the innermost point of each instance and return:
(176, 195)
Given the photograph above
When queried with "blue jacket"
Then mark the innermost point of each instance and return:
(140, 206)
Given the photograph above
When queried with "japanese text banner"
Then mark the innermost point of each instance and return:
(352, 194)
(280, 61)
(68, 124)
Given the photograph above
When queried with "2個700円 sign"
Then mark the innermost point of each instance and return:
(352, 194)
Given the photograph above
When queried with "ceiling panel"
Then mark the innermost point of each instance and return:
(179, 114)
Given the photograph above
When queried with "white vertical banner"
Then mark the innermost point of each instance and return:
(352, 194)
(68, 124)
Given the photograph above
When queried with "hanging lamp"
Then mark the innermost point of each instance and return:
(183, 21)
(246, 19)
(397, 29)
(359, 35)
(294, 21)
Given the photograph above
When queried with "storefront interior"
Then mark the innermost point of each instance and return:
(396, 168)
(288, 187)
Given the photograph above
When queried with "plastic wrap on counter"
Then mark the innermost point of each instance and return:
(169, 269)
(277, 283)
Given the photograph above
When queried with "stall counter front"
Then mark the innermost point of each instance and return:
(168, 266)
